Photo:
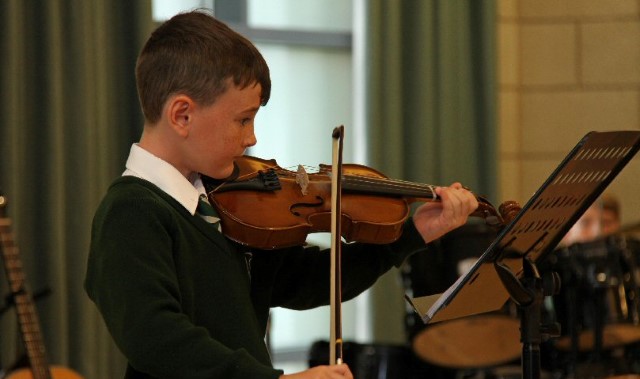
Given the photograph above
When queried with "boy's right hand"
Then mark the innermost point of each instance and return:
(340, 371)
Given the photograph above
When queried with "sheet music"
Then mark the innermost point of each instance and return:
(438, 304)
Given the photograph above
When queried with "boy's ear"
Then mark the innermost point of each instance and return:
(180, 112)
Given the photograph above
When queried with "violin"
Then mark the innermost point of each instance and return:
(265, 206)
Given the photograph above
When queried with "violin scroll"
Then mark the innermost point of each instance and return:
(499, 218)
(509, 210)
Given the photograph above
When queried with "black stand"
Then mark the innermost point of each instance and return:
(507, 268)
(528, 293)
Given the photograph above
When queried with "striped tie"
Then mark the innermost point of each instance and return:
(206, 211)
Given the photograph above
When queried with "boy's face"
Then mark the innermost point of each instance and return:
(222, 131)
(587, 228)
(610, 222)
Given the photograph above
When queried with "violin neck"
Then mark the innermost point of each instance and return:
(388, 187)
(419, 192)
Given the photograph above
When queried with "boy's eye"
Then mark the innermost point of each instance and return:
(245, 121)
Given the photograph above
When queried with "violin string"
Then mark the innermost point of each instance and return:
(395, 184)
(427, 191)
(391, 182)
(364, 180)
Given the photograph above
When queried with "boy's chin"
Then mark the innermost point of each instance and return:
(227, 173)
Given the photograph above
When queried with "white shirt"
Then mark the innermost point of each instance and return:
(144, 165)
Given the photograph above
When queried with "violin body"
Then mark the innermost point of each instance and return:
(283, 217)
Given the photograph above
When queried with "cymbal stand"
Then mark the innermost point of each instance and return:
(528, 293)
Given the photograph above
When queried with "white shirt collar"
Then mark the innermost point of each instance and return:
(144, 165)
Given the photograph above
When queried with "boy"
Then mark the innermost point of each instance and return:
(179, 299)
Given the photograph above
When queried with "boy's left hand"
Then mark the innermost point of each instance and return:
(434, 219)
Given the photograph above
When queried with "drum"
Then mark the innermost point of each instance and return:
(471, 342)
(598, 305)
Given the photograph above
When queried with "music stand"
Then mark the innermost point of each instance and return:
(507, 268)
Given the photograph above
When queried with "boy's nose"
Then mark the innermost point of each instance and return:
(251, 139)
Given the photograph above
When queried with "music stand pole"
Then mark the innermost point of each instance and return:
(528, 293)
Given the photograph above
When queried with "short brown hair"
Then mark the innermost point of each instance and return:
(195, 54)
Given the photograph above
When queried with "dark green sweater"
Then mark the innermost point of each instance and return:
(177, 296)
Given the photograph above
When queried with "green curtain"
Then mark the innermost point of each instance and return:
(430, 107)
(70, 113)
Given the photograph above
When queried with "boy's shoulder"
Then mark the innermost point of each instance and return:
(127, 191)
(128, 185)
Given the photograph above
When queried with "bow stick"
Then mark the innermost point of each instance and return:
(335, 345)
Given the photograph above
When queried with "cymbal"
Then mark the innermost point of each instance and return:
(470, 342)
(612, 336)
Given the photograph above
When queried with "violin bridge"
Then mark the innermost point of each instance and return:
(302, 178)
